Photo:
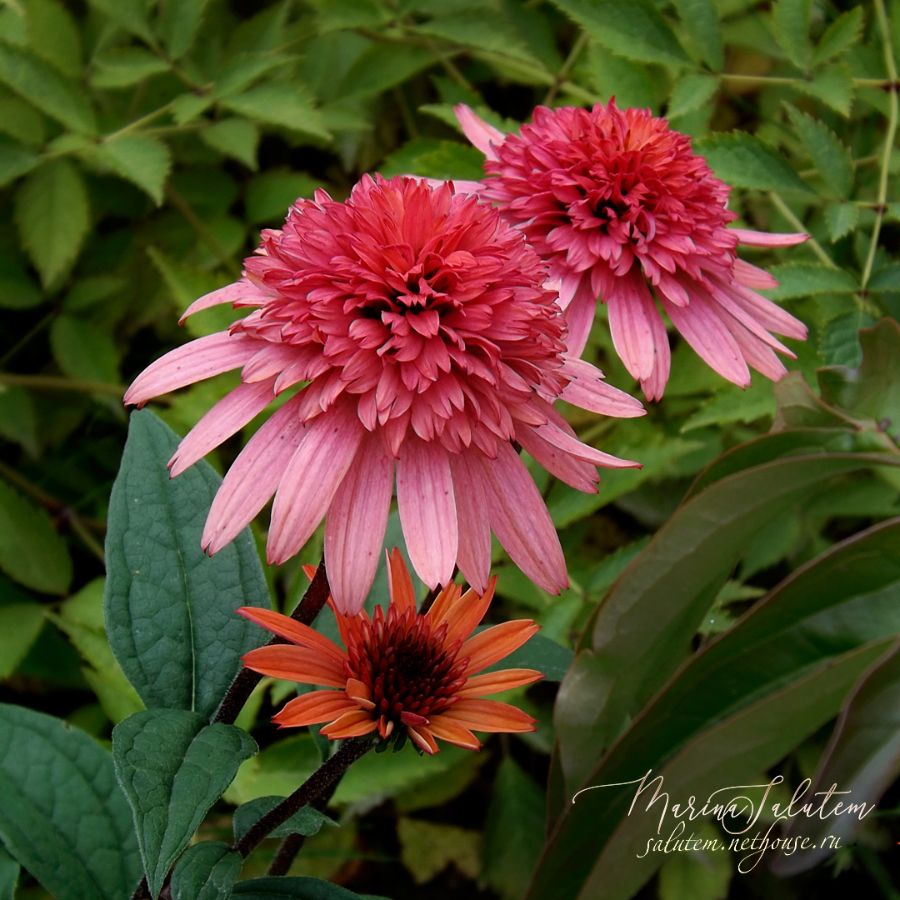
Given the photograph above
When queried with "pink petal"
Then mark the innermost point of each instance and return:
(748, 321)
(228, 416)
(244, 291)
(356, 523)
(588, 390)
(767, 313)
(753, 276)
(558, 438)
(704, 330)
(474, 553)
(427, 506)
(311, 480)
(520, 520)
(460, 185)
(251, 481)
(485, 137)
(580, 318)
(194, 361)
(631, 324)
(758, 354)
(575, 472)
(765, 239)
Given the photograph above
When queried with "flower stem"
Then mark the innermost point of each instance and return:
(889, 139)
(55, 383)
(812, 243)
(563, 73)
(240, 689)
(323, 778)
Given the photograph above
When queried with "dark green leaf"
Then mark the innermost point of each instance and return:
(271, 193)
(9, 875)
(809, 279)
(435, 159)
(840, 36)
(791, 23)
(279, 103)
(20, 624)
(169, 607)
(700, 874)
(63, 816)
(828, 153)
(53, 34)
(144, 161)
(513, 830)
(636, 31)
(131, 15)
(172, 768)
(745, 161)
(46, 88)
(295, 889)
(383, 66)
(206, 871)
(121, 67)
(542, 654)
(178, 25)
(53, 217)
(307, 821)
(690, 93)
(701, 24)
(83, 350)
(31, 550)
(15, 160)
(237, 138)
(18, 422)
(841, 218)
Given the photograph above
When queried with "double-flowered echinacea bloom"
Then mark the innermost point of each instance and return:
(401, 671)
(623, 210)
(414, 330)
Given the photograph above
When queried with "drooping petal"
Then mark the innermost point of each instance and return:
(492, 644)
(194, 361)
(292, 630)
(453, 732)
(485, 137)
(474, 552)
(752, 276)
(244, 291)
(300, 664)
(521, 522)
(580, 318)
(572, 470)
(588, 390)
(313, 708)
(355, 723)
(554, 435)
(223, 420)
(631, 325)
(400, 585)
(311, 480)
(251, 481)
(423, 738)
(766, 239)
(355, 525)
(495, 682)
(489, 715)
(427, 508)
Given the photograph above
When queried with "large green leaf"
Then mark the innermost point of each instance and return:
(644, 628)
(172, 767)
(295, 889)
(306, 821)
(169, 607)
(63, 817)
(206, 871)
(142, 160)
(743, 160)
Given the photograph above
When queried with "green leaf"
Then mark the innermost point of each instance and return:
(840, 36)
(15, 160)
(81, 619)
(435, 159)
(31, 551)
(427, 848)
(332, 16)
(172, 767)
(236, 138)
(18, 422)
(63, 816)
(383, 66)
(636, 31)
(169, 607)
(810, 279)
(732, 404)
(863, 757)
(489, 32)
(701, 25)
(178, 25)
(144, 161)
(745, 161)
(308, 821)
(690, 93)
(206, 871)
(791, 23)
(828, 153)
(513, 832)
(9, 875)
(52, 213)
(700, 874)
(833, 86)
(295, 889)
(120, 67)
(282, 104)
(841, 219)
(20, 624)
(542, 654)
(632, 83)
(53, 35)
(644, 628)
(270, 194)
(47, 89)
(83, 350)
(20, 120)
(131, 15)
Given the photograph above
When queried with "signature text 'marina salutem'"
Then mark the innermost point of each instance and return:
(738, 810)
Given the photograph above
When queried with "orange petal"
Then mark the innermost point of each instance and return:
(309, 571)
(360, 693)
(444, 604)
(489, 715)
(454, 733)
(350, 724)
(292, 630)
(402, 594)
(313, 708)
(296, 664)
(504, 680)
(423, 739)
(469, 612)
(492, 644)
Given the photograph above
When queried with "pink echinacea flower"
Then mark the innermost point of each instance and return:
(623, 210)
(428, 345)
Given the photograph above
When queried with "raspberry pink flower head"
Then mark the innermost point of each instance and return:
(419, 323)
(622, 209)
(401, 672)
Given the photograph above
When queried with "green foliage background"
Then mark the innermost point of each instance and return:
(142, 147)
